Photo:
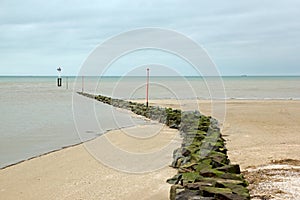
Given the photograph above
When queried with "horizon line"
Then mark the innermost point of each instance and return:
(283, 75)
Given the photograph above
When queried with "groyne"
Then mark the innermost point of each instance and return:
(204, 169)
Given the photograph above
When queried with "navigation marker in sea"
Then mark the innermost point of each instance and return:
(59, 77)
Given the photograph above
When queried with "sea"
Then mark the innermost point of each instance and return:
(38, 117)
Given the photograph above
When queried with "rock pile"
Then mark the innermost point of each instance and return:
(204, 170)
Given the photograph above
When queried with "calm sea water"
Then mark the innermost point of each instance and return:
(37, 117)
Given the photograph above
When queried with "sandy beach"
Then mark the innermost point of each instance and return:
(262, 136)
(258, 132)
(73, 173)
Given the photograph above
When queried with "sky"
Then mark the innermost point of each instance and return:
(250, 37)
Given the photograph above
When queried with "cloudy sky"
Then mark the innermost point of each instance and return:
(252, 37)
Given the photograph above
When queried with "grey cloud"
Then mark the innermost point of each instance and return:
(233, 29)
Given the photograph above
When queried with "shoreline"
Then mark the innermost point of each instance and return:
(72, 145)
(43, 154)
(156, 102)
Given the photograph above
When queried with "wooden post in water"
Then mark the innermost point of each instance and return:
(147, 88)
(82, 84)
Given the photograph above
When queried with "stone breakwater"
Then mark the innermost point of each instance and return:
(204, 170)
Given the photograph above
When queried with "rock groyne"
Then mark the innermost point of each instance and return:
(204, 170)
